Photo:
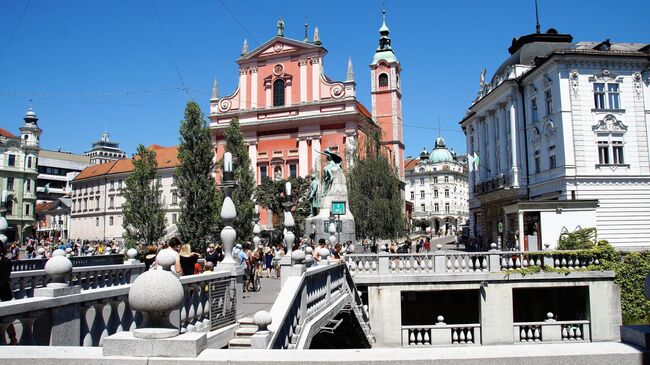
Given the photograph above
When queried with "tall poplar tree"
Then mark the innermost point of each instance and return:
(197, 222)
(374, 194)
(144, 217)
(243, 195)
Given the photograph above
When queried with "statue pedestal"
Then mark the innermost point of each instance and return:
(338, 193)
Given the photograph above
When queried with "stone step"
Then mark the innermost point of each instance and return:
(239, 343)
(245, 331)
(246, 322)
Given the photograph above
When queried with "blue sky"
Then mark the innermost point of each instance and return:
(91, 65)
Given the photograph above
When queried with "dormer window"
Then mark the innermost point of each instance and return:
(383, 80)
(278, 92)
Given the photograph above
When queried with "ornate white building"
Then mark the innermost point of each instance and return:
(437, 187)
(105, 150)
(97, 196)
(561, 132)
(18, 172)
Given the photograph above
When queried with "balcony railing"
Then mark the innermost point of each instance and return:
(498, 183)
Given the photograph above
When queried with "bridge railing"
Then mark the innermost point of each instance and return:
(449, 262)
(85, 319)
(23, 283)
(300, 300)
(552, 331)
(77, 261)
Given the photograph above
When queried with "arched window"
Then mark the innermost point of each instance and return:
(383, 80)
(278, 92)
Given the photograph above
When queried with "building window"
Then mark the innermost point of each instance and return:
(612, 101)
(28, 185)
(421, 182)
(110, 220)
(549, 102)
(435, 180)
(435, 193)
(422, 194)
(552, 162)
(174, 218)
(603, 152)
(27, 208)
(293, 170)
(263, 171)
(174, 198)
(613, 97)
(278, 92)
(159, 178)
(533, 110)
(538, 167)
(111, 202)
(446, 179)
(436, 207)
(10, 207)
(119, 184)
(446, 193)
(29, 162)
(383, 80)
(599, 95)
(617, 152)
(11, 160)
(10, 183)
(97, 221)
(112, 185)
(423, 208)
(447, 208)
(413, 195)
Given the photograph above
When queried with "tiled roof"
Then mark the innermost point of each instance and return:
(166, 157)
(6, 133)
(410, 164)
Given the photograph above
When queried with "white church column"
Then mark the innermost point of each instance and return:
(303, 157)
(252, 154)
(315, 79)
(267, 92)
(513, 142)
(315, 156)
(503, 140)
(302, 64)
(254, 87)
(483, 152)
(242, 88)
(491, 124)
(287, 92)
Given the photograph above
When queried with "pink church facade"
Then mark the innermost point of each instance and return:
(289, 110)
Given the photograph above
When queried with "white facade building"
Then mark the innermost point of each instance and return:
(56, 170)
(562, 136)
(436, 185)
(97, 200)
(105, 150)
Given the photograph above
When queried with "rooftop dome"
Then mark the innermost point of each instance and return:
(440, 153)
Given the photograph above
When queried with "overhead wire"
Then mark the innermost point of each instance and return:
(239, 22)
(13, 33)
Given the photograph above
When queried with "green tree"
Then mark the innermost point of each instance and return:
(270, 195)
(144, 218)
(196, 184)
(375, 196)
(243, 195)
(580, 239)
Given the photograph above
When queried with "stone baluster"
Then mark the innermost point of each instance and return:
(289, 223)
(228, 212)
(494, 258)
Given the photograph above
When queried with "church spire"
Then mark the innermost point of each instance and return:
(384, 38)
(306, 39)
(215, 89)
(316, 37)
(244, 48)
(350, 71)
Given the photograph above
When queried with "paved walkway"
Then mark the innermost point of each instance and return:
(263, 299)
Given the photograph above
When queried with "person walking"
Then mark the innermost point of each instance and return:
(277, 256)
(268, 260)
(188, 259)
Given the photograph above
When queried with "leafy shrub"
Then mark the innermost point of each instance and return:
(580, 239)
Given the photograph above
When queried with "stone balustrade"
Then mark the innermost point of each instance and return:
(441, 334)
(23, 283)
(77, 261)
(552, 331)
(85, 319)
(448, 262)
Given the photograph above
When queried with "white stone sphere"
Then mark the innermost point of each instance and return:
(58, 265)
(297, 256)
(549, 315)
(323, 253)
(228, 235)
(40, 250)
(262, 319)
(166, 258)
(308, 250)
(441, 319)
(58, 252)
(332, 240)
(157, 290)
(439, 247)
(68, 250)
(132, 253)
(493, 246)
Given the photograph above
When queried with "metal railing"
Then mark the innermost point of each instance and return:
(77, 261)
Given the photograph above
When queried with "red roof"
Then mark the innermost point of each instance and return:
(410, 164)
(6, 133)
(166, 157)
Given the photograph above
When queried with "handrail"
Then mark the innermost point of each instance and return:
(77, 261)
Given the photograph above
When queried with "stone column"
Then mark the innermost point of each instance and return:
(252, 153)
(492, 141)
(287, 91)
(387, 324)
(315, 156)
(254, 102)
(513, 142)
(315, 78)
(243, 96)
(503, 140)
(520, 228)
(303, 157)
(302, 64)
(496, 314)
(268, 93)
(482, 172)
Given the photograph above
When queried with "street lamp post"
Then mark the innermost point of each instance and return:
(289, 223)
(228, 211)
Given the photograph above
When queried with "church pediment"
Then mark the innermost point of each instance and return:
(278, 46)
